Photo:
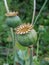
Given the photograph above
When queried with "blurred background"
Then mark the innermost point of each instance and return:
(25, 9)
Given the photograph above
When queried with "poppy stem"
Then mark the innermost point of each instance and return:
(31, 55)
(37, 53)
(34, 11)
(6, 6)
(14, 49)
(40, 11)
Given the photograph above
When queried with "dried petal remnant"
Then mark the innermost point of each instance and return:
(11, 14)
(24, 28)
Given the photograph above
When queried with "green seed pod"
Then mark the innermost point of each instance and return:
(25, 35)
(12, 19)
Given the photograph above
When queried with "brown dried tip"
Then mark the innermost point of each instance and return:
(24, 28)
(11, 14)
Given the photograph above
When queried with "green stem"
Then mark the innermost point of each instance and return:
(37, 49)
(31, 56)
(34, 10)
(38, 46)
(8, 52)
(14, 49)
(8, 49)
(40, 11)
(6, 5)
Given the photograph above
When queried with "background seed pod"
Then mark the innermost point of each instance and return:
(13, 21)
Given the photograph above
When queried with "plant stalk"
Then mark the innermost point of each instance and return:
(37, 53)
(34, 11)
(37, 49)
(40, 11)
(14, 49)
(31, 55)
(6, 6)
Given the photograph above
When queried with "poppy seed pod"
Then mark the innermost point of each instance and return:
(26, 35)
(12, 19)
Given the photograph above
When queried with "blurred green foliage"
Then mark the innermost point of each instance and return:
(25, 9)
